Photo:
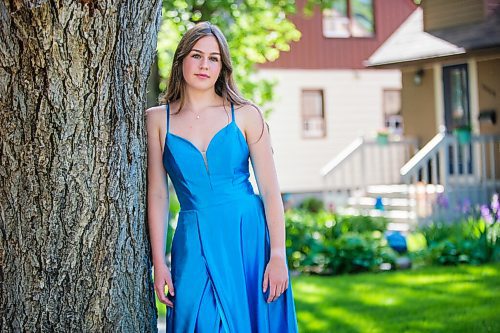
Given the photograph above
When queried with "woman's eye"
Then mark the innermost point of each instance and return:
(196, 55)
(214, 59)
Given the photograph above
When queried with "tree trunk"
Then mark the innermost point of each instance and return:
(153, 84)
(74, 249)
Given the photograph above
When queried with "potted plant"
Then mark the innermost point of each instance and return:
(463, 134)
(382, 136)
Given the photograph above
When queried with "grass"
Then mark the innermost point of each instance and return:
(431, 299)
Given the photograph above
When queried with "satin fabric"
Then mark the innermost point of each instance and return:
(221, 244)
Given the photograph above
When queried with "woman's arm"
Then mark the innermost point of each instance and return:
(261, 154)
(158, 198)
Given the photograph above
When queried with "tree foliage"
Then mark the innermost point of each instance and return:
(256, 30)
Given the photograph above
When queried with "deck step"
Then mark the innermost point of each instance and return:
(399, 203)
(391, 214)
(399, 220)
(389, 203)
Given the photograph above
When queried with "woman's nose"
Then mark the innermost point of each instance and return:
(204, 63)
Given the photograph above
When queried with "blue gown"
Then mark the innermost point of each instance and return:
(221, 244)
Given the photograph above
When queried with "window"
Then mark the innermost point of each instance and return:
(313, 114)
(349, 18)
(392, 111)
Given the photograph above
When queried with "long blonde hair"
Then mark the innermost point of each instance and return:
(224, 86)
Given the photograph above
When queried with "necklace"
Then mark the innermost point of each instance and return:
(196, 114)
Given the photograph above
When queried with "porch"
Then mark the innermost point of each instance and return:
(443, 180)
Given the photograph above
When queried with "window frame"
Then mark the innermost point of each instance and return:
(303, 116)
(386, 115)
(384, 101)
(349, 16)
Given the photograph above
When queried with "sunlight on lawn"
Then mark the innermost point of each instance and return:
(431, 299)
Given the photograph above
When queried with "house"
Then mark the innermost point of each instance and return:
(326, 98)
(448, 52)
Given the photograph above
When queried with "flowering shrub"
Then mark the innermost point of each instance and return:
(325, 243)
(491, 213)
(472, 239)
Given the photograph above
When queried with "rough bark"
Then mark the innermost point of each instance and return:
(74, 249)
(153, 84)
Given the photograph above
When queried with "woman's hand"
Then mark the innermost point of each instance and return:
(275, 277)
(162, 276)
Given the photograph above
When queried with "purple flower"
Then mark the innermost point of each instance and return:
(486, 214)
(442, 200)
(495, 204)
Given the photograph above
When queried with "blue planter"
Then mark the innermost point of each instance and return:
(463, 135)
(382, 139)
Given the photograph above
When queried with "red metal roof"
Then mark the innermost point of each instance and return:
(314, 51)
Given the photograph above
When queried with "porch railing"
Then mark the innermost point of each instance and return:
(368, 162)
(461, 174)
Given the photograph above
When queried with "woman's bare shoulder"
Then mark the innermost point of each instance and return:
(155, 117)
(155, 110)
(248, 112)
(252, 121)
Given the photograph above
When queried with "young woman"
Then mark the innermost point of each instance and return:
(229, 271)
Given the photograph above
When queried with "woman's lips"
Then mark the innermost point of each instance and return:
(202, 76)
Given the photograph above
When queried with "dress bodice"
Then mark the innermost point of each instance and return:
(218, 175)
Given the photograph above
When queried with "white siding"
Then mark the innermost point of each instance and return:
(353, 107)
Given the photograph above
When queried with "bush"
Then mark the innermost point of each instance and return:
(312, 204)
(325, 243)
(358, 252)
(363, 224)
(472, 241)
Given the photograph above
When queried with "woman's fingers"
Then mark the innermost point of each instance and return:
(275, 279)
(160, 292)
(265, 282)
(162, 281)
(170, 285)
(278, 288)
(283, 288)
(171, 291)
(272, 293)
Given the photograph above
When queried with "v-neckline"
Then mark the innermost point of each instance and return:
(209, 143)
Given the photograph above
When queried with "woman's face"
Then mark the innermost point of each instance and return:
(202, 65)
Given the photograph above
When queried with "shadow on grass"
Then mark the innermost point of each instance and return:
(432, 299)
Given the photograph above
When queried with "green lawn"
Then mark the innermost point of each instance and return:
(433, 299)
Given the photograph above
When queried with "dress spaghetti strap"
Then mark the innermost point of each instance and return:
(232, 112)
(168, 116)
